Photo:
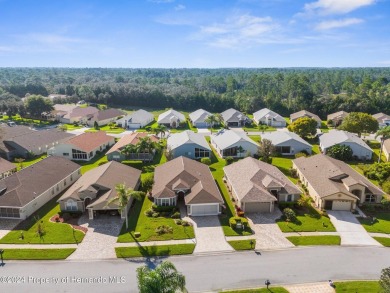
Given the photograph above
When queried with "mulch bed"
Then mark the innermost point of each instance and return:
(72, 222)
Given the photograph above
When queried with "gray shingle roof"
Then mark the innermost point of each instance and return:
(176, 140)
(232, 114)
(267, 112)
(140, 116)
(248, 177)
(278, 137)
(334, 137)
(108, 114)
(6, 166)
(170, 113)
(304, 113)
(225, 138)
(337, 115)
(199, 115)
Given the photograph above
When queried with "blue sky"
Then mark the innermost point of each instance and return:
(196, 33)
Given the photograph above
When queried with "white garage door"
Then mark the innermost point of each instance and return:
(133, 125)
(204, 210)
(255, 207)
(339, 205)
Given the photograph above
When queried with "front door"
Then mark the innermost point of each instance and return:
(328, 204)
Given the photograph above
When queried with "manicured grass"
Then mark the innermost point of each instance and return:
(255, 138)
(139, 222)
(57, 233)
(381, 225)
(307, 221)
(255, 128)
(72, 127)
(37, 254)
(107, 129)
(316, 149)
(157, 250)
(383, 240)
(26, 121)
(284, 164)
(243, 244)
(259, 290)
(358, 286)
(29, 162)
(95, 162)
(315, 240)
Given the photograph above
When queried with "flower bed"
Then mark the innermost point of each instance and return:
(72, 222)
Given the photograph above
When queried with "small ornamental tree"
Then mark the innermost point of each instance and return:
(357, 122)
(289, 215)
(304, 127)
(265, 150)
(206, 161)
(384, 280)
(340, 152)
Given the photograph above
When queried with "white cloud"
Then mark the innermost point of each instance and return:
(180, 7)
(161, 1)
(51, 39)
(336, 6)
(332, 24)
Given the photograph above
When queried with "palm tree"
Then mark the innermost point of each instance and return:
(122, 198)
(213, 119)
(146, 145)
(163, 279)
(159, 129)
(128, 150)
(385, 134)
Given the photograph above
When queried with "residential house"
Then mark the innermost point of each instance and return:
(105, 117)
(267, 117)
(257, 186)
(386, 149)
(21, 141)
(6, 168)
(188, 181)
(234, 118)
(333, 184)
(229, 143)
(115, 153)
(83, 147)
(337, 118)
(135, 120)
(171, 118)
(287, 143)
(383, 119)
(188, 144)
(59, 111)
(304, 113)
(198, 118)
(24, 192)
(96, 188)
(76, 115)
(339, 137)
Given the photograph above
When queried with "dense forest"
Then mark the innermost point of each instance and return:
(319, 90)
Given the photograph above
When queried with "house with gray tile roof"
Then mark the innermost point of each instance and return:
(304, 113)
(94, 190)
(229, 143)
(171, 118)
(337, 118)
(234, 118)
(24, 192)
(267, 117)
(76, 115)
(135, 120)
(287, 143)
(383, 119)
(188, 144)
(333, 184)
(257, 186)
(198, 118)
(6, 168)
(104, 117)
(186, 180)
(339, 137)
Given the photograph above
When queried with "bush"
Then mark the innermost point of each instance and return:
(206, 161)
(289, 215)
(157, 208)
(147, 182)
(179, 222)
(300, 154)
(229, 160)
(340, 152)
(176, 215)
(149, 213)
(137, 234)
(164, 229)
(155, 215)
(66, 216)
(233, 222)
(185, 223)
(386, 186)
(283, 205)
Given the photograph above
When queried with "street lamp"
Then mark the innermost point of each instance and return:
(267, 283)
(1, 255)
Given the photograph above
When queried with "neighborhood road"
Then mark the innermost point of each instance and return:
(203, 273)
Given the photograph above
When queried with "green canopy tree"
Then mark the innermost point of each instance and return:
(340, 152)
(163, 279)
(265, 150)
(358, 122)
(36, 105)
(304, 127)
(159, 130)
(384, 133)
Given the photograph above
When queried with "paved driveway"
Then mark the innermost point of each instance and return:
(351, 232)
(100, 239)
(6, 225)
(209, 235)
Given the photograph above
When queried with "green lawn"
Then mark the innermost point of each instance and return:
(259, 290)
(243, 244)
(358, 286)
(26, 121)
(383, 240)
(139, 222)
(72, 126)
(316, 149)
(29, 162)
(255, 128)
(307, 221)
(381, 225)
(284, 164)
(107, 129)
(95, 162)
(255, 138)
(315, 240)
(56, 233)
(37, 254)
(158, 250)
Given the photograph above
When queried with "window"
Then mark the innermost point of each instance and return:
(58, 187)
(283, 149)
(230, 152)
(9, 213)
(65, 154)
(79, 155)
(52, 191)
(201, 153)
(370, 198)
(91, 154)
(71, 205)
(71, 177)
(65, 182)
(164, 201)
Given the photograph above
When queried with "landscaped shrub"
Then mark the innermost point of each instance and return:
(155, 215)
(304, 201)
(66, 216)
(178, 222)
(157, 208)
(340, 152)
(149, 213)
(176, 215)
(229, 160)
(283, 205)
(185, 223)
(300, 154)
(378, 171)
(289, 215)
(386, 186)
(206, 161)
(233, 222)
(164, 229)
(137, 234)
(294, 173)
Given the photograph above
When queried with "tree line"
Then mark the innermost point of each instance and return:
(285, 91)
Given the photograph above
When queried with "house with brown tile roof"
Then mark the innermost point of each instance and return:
(78, 114)
(24, 192)
(189, 181)
(6, 168)
(115, 153)
(104, 117)
(257, 186)
(83, 147)
(334, 185)
(94, 190)
(337, 118)
(382, 118)
(304, 113)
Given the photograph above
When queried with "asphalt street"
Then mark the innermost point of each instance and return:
(203, 273)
